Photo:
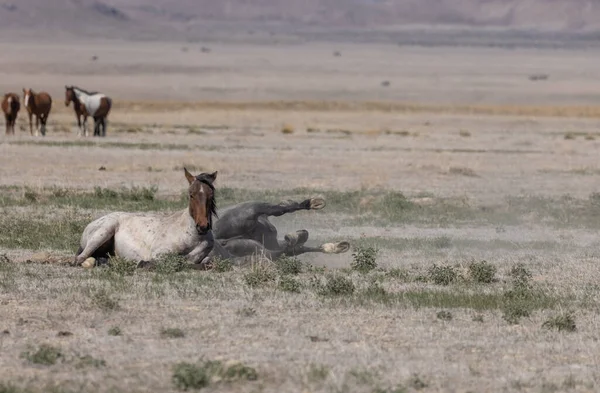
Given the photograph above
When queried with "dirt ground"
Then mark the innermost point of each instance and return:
(177, 106)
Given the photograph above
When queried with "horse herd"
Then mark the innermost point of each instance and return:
(237, 234)
(39, 104)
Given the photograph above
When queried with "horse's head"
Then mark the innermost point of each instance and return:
(202, 203)
(27, 95)
(69, 95)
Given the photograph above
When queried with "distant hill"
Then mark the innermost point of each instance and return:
(198, 19)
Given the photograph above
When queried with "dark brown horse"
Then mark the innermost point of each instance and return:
(38, 104)
(86, 104)
(10, 107)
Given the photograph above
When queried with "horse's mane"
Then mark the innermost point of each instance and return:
(89, 93)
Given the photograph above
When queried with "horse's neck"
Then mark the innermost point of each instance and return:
(31, 103)
(81, 97)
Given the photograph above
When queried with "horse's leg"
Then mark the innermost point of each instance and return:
(103, 120)
(85, 131)
(96, 127)
(96, 240)
(43, 118)
(7, 120)
(248, 247)
(30, 123)
(37, 125)
(285, 207)
(249, 220)
(78, 116)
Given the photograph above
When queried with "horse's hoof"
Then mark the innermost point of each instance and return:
(335, 248)
(296, 239)
(89, 263)
(317, 203)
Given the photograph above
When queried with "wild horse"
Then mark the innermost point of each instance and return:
(10, 107)
(86, 103)
(142, 237)
(244, 230)
(38, 105)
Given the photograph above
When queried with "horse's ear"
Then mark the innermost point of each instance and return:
(190, 178)
(212, 176)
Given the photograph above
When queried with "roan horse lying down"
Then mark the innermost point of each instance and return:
(145, 236)
(242, 231)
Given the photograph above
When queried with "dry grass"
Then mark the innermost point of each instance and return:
(474, 259)
(572, 111)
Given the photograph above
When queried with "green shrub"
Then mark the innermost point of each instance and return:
(364, 259)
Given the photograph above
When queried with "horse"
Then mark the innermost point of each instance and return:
(38, 104)
(10, 107)
(143, 237)
(244, 230)
(86, 103)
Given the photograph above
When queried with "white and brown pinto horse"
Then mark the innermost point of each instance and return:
(38, 105)
(10, 107)
(86, 103)
(143, 237)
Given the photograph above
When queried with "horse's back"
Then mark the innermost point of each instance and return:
(43, 102)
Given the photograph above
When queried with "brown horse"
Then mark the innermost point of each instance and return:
(86, 104)
(38, 104)
(10, 107)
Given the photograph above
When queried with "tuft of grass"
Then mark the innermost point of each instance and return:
(199, 375)
(289, 265)
(188, 376)
(376, 293)
(89, 361)
(562, 322)
(460, 170)
(520, 299)
(398, 274)
(289, 284)
(171, 333)
(478, 318)
(127, 194)
(444, 315)
(482, 272)
(30, 196)
(570, 135)
(46, 355)
(259, 275)
(122, 266)
(115, 331)
(417, 383)
(246, 312)
(287, 129)
(520, 274)
(337, 285)
(103, 300)
(317, 373)
(222, 265)
(364, 259)
(442, 275)
(170, 263)
(464, 133)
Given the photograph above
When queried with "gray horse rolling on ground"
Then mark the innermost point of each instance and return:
(143, 237)
(244, 231)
